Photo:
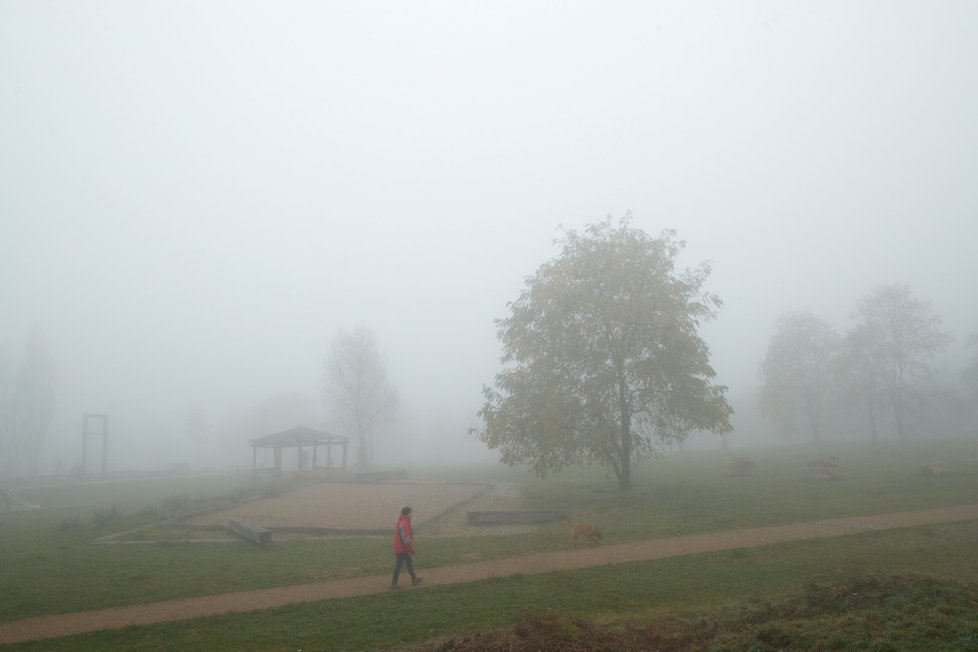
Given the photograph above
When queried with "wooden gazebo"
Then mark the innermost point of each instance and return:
(299, 437)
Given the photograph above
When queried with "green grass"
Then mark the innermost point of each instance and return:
(864, 613)
(48, 563)
(695, 590)
(688, 492)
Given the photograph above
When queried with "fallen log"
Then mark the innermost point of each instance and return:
(516, 516)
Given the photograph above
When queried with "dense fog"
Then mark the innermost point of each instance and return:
(196, 197)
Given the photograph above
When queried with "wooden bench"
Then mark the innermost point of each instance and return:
(251, 531)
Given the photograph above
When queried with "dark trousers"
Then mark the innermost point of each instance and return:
(403, 559)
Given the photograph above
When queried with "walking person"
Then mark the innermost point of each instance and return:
(404, 548)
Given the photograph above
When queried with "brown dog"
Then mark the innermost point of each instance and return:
(587, 529)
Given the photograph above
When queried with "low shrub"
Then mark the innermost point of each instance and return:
(106, 517)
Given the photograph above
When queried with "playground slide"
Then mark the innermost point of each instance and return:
(14, 501)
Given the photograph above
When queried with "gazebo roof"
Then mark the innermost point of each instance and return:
(298, 436)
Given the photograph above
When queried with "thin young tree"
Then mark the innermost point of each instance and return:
(356, 388)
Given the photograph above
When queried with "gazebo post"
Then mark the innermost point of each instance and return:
(300, 438)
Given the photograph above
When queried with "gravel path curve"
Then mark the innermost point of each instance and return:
(89, 621)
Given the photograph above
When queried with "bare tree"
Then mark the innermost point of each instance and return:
(861, 374)
(196, 429)
(799, 371)
(26, 405)
(8, 413)
(356, 388)
(896, 337)
(970, 374)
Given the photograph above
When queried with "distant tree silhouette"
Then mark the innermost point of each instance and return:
(799, 372)
(196, 429)
(891, 348)
(356, 388)
(27, 393)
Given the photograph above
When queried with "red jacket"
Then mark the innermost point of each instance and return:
(403, 536)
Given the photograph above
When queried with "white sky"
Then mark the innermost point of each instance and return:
(195, 196)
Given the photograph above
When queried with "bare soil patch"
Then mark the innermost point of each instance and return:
(439, 509)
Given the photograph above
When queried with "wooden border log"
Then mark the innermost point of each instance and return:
(395, 474)
(514, 516)
(251, 531)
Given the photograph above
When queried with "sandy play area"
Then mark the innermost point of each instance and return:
(351, 505)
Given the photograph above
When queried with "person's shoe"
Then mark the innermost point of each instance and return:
(394, 587)
(416, 581)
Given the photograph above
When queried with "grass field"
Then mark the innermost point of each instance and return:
(48, 563)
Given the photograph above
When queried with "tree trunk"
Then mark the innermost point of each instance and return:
(625, 479)
(898, 413)
(363, 461)
(363, 449)
(813, 422)
(872, 422)
(898, 406)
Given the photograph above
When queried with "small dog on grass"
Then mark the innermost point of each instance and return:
(588, 530)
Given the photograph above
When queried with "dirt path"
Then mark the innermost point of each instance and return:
(89, 621)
